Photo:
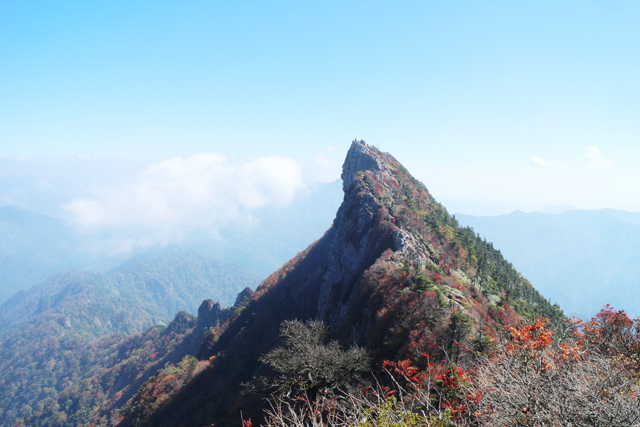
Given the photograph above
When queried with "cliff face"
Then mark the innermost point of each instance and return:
(364, 229)
(360, 157)
(393, 245)
(395, 273)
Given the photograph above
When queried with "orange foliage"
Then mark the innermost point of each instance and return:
(530, 337)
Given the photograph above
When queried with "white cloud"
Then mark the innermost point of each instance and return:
(87, 213)
(539, 161)
(182, 195)
(596, 161)
(542, 162)
(84, 156)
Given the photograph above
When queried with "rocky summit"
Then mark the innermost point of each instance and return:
(395, 274)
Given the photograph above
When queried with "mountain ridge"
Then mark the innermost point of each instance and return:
(394, 273)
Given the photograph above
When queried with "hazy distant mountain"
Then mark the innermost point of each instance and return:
(493, 208)
(557, 209)
(33, 247)
(485, 207)
(146, 290)
(579, 259)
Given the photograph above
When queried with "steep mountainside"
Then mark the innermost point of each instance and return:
(68, 336)
(395, 274)
(63, 380)
(580, 259)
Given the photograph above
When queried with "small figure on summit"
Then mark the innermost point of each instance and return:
(361, 142)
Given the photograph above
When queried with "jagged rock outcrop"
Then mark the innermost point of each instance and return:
(245, 293)
(210, 314)
(363, 230)
(360, 157)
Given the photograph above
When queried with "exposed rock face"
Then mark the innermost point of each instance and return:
(359, 158)
(245, 293)
(351, 250)
(210, 314)
(364, 229)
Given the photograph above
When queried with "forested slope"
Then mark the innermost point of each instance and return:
(72, 342)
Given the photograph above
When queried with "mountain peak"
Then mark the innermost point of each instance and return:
(360, 157)
(395, 274)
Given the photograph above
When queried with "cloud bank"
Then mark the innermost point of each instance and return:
(183, 195)
(596, 161)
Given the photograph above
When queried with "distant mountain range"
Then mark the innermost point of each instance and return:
(493, 208)
(578, 259)
(35, 246)
(144, 291)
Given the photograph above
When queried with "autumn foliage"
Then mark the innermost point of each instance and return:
(584, 376)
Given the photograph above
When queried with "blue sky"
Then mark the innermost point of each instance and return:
(522, 102)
